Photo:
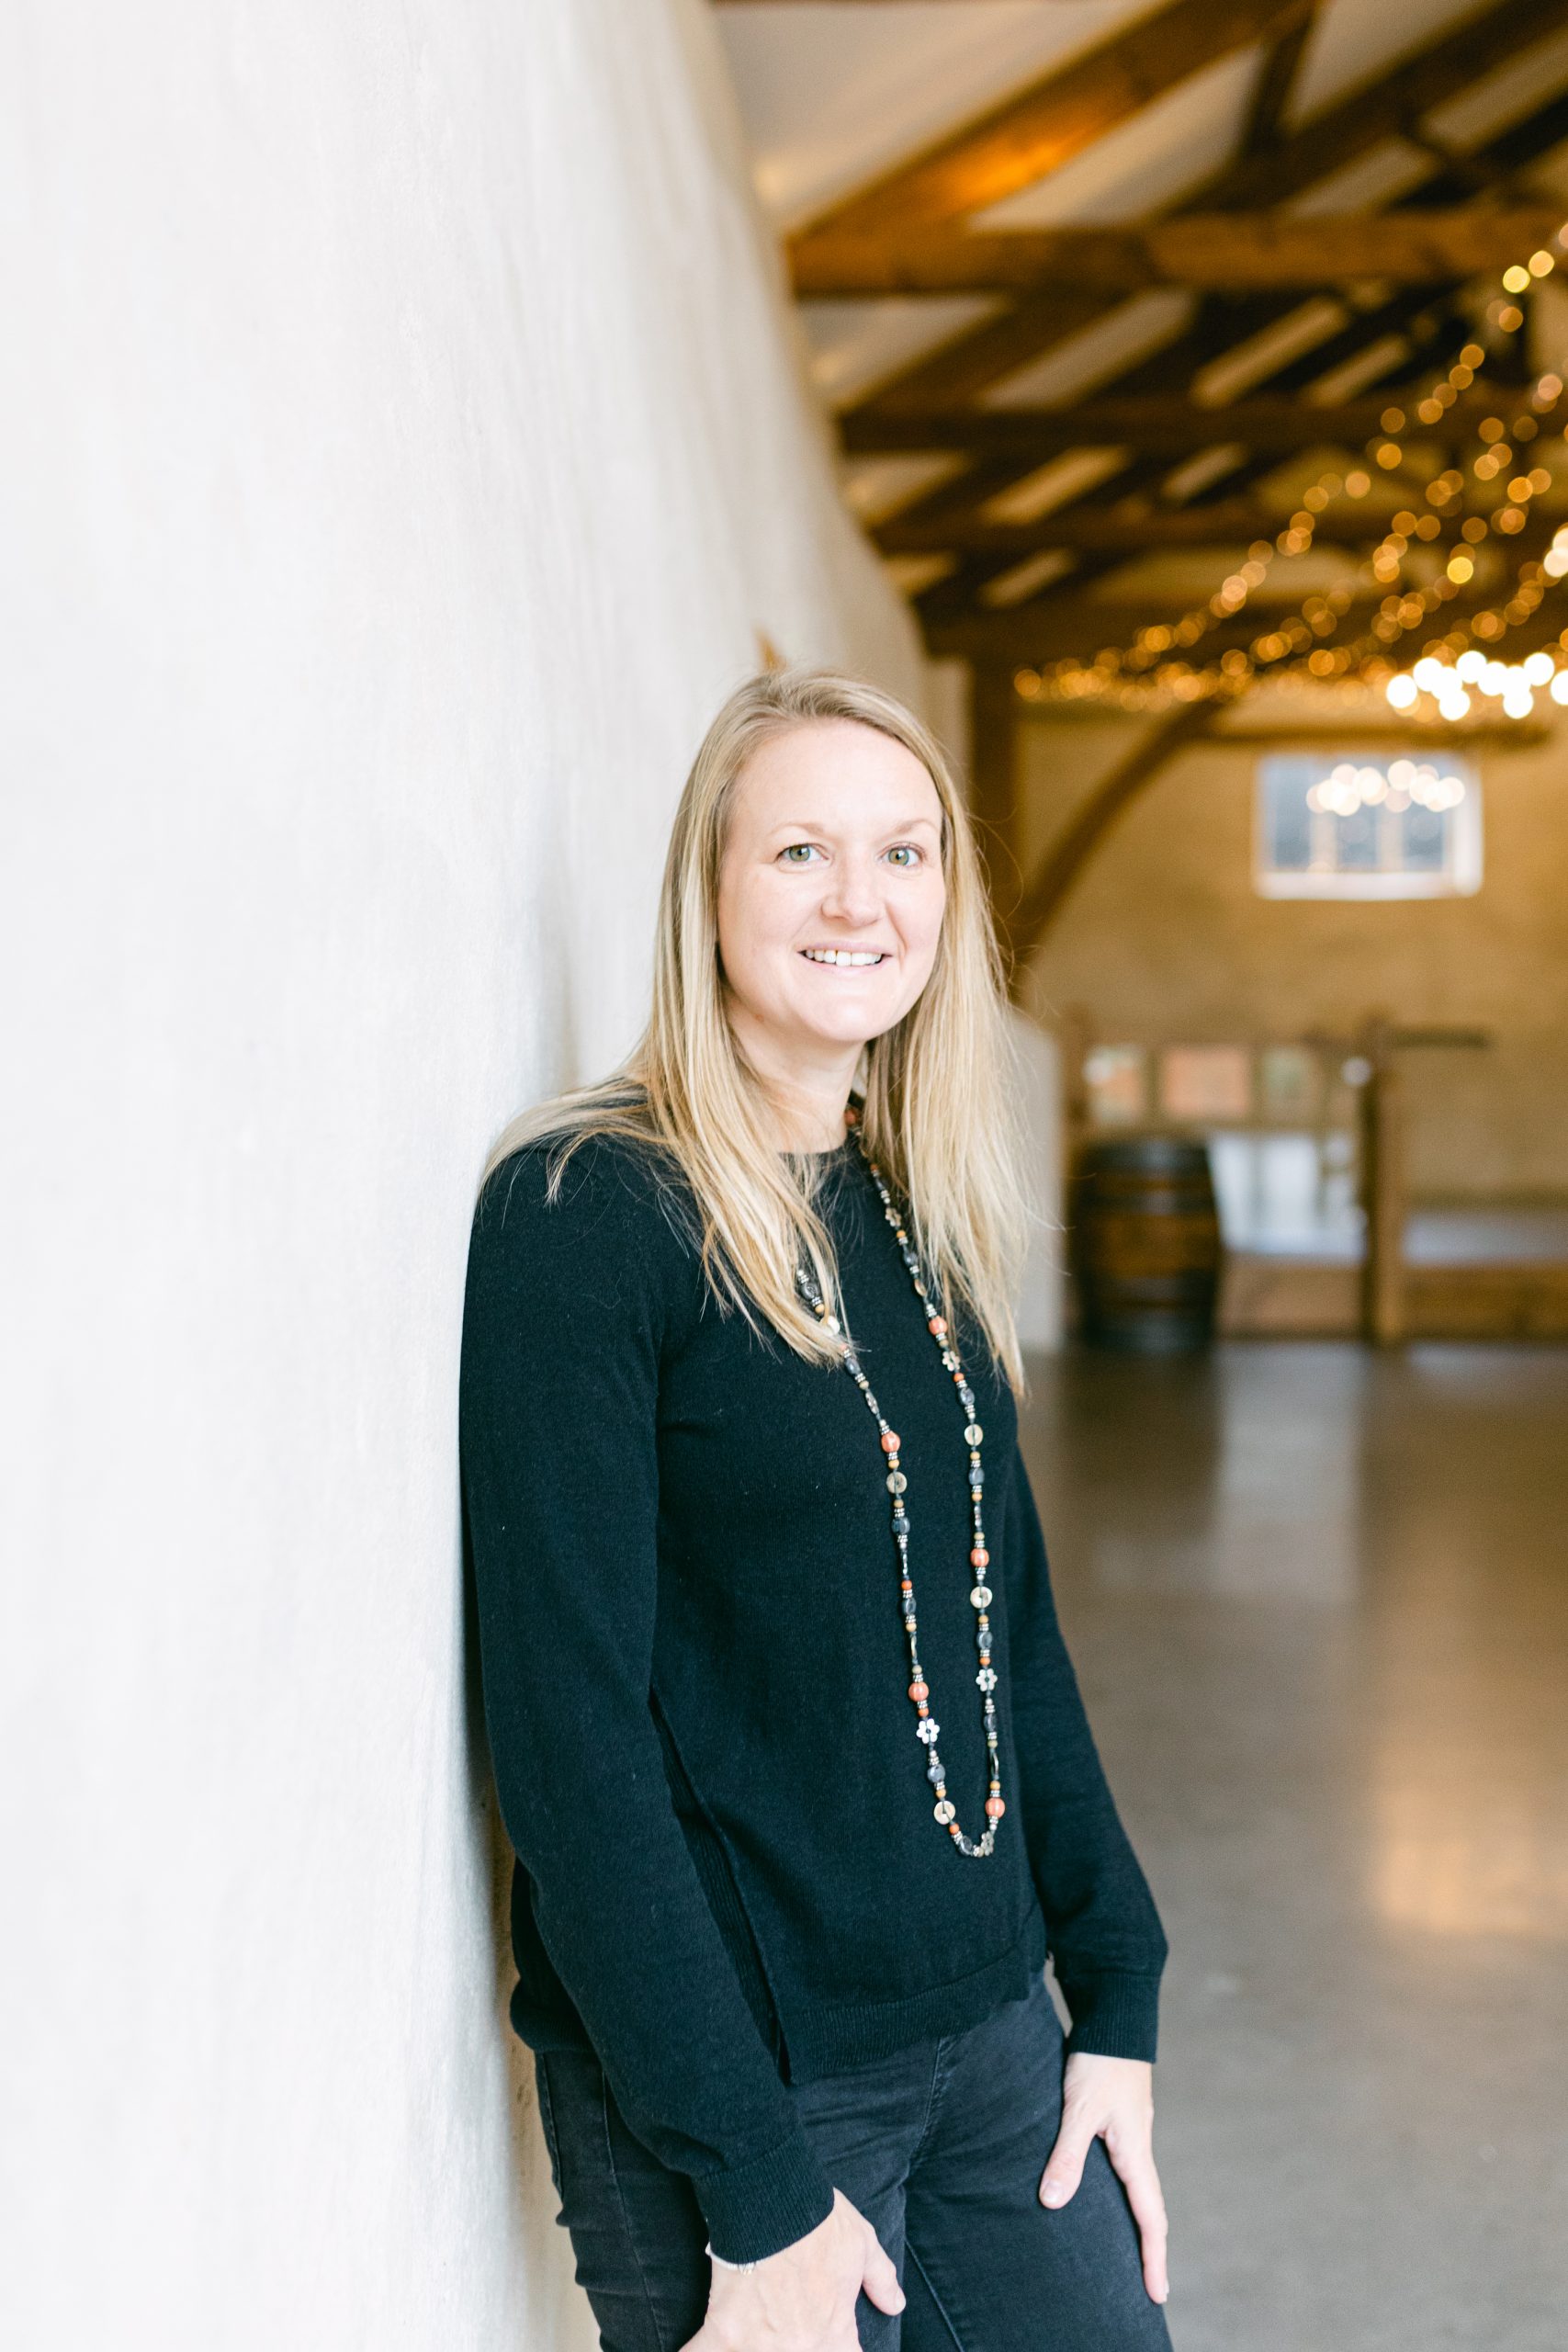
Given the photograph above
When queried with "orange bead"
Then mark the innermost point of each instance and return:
(918, 1691)
(979, 1557)
(938, 1323)
(889, 1442)
(995, 1808)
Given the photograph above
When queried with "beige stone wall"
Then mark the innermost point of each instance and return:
(1164, 938)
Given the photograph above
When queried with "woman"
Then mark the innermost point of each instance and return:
(737, 1390)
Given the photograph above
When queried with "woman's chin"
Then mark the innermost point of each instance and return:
(847, 1024)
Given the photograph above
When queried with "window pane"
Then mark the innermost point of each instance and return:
(1368, 826)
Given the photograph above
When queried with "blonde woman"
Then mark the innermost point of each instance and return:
(785, 1737)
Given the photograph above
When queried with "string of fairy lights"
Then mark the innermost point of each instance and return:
(1165, 664)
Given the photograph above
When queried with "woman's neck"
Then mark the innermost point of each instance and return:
(810, 1121)
(806, 1094)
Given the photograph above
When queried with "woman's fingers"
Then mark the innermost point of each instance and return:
(880, 2280)
(1064, 2169)
(1136, 2168)
(1111, 2100)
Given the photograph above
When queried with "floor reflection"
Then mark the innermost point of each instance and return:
(1319, 1601)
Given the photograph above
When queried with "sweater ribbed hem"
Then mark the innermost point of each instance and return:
(1115, 2015)
(823, 2039)
(758, 2209)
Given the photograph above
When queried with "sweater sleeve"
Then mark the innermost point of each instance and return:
(568, 1304)
(1107, 1944)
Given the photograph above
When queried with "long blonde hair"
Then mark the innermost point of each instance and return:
(936, 1114)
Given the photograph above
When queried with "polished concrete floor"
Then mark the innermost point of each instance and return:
(1319, 1602)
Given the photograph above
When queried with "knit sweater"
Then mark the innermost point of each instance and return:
(694, 1664)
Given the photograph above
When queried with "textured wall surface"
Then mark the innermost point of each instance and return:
(1165, 937)
(404, 446)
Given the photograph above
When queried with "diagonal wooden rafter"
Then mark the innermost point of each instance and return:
(1276, 80)
(1070, 853)
(1038, 129)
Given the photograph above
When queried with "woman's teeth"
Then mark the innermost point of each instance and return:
(839, 956)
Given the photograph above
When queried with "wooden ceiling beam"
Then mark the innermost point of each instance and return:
(1060, 630)
(1216, 252)
(1038, 129)
(1420, 333)
(1107, 530)
(967, 363)
(1168, 428)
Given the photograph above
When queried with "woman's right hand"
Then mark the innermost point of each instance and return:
(803, 2297)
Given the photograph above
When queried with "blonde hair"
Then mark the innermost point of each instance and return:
(936, 1112)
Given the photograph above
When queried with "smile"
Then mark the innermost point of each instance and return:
(855, 958)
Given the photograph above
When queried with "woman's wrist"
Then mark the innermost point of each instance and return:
(723, 2265)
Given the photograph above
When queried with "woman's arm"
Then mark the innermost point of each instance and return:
(1107, 1944)
(566, 1308)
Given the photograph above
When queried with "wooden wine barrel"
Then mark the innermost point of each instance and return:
(1144, 1236)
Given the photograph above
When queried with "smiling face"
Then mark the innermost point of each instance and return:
(831, 897)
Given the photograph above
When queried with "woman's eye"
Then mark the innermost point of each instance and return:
(799, 852)
(905, 854)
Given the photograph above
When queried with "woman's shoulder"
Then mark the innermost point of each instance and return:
(592, 1189)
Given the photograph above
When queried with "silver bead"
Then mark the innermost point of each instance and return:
(974, 1433)
(981, 1596)
(944, 1810)
(897, 1482)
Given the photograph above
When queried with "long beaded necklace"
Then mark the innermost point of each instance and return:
(926, 1729)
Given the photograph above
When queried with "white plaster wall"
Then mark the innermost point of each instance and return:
(401, 440)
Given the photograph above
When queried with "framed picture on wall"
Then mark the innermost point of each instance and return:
(1116, 1081)
(1205, 1082)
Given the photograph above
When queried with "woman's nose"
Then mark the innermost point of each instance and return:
(851, 894)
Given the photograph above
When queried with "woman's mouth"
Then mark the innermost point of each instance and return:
(851, 958)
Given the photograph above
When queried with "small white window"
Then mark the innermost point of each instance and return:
(1365, 827)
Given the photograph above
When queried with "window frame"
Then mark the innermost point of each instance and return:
(1459, 876)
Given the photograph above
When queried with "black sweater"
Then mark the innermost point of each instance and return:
(695, 1685)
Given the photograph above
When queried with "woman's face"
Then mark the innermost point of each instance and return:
(832, 888)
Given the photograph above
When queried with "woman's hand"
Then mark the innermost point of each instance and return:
(803, 2297)
(1112, 2100)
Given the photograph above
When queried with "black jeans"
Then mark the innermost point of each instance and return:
(940, 2147)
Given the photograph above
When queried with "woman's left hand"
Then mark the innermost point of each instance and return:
(1112, 2100)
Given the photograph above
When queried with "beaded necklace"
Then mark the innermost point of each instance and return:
(926, 1729)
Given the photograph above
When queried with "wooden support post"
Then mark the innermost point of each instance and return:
(1075, 1035)
(993, 786)
(1382, 1190)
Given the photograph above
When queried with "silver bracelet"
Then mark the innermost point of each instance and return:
(726, 2266)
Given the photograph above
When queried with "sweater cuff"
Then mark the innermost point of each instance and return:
(1115, 2015)
(758, 2209)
